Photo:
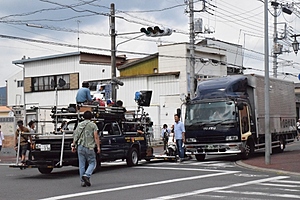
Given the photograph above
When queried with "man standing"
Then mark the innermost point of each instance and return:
(85, 139)
(84, 94)
(179, 135)
(23, 132)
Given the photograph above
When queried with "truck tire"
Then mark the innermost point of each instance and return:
(132, 157)
(249, 149)
(200, 157)
(281, 147)
(44, 170)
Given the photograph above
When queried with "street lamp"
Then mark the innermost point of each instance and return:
(295, 44)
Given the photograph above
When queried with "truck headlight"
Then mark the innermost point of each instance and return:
(190, 140)
(230, 138)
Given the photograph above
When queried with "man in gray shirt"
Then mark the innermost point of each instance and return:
(85, 140)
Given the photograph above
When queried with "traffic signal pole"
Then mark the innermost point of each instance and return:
(113, 51)
(192, 50)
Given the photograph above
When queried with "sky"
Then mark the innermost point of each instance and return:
(55, 26)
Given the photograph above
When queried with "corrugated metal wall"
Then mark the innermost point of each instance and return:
(165, 86)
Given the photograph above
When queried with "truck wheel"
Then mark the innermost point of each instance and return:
(249, 149)
(44, 170)
(281, 147)
(132, 158)
(200, 157)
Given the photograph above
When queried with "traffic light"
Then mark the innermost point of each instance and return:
(156, 31)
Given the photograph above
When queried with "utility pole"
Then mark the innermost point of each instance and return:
(192, 50)
(113, 51)
(275, 4)
(267, 86)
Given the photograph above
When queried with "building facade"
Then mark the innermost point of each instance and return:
(165, 73)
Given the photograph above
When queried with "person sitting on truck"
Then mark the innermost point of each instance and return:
(84, 94)
(23, 140)
(119, 104)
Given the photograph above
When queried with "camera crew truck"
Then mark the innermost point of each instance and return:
(227, 116)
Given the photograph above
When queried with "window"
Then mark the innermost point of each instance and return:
(111, 129)
(20, 83)
(48, 83)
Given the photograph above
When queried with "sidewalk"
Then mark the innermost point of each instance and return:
(287, 162)
(7, 156)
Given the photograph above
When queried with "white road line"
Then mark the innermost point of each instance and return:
(186, 169)
(206, 190)
(285, 181)
(279, 185)
(201, 164)
(139, 185)
(261, 194)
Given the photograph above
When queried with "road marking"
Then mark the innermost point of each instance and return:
(203, 164)
(141, 185)
(214, 189)
(285, 181)
(184, 169)
(261, 194)
(279, 185)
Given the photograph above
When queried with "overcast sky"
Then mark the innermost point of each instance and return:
(236, 21)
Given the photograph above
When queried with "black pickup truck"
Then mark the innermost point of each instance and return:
(118, 138)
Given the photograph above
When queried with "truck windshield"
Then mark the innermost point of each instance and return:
(202, 113)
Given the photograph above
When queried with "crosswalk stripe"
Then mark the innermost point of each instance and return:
(259, 194)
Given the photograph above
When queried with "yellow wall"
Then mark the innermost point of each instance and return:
(143, 68)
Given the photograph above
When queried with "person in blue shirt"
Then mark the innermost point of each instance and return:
(179, 136)
(84, 94)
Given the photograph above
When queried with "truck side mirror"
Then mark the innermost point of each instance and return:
(240, 106)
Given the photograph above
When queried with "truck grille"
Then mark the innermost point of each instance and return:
(211, 139)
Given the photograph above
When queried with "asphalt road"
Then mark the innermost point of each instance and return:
(216, 178)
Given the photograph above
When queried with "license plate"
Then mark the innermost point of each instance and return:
(45, 147)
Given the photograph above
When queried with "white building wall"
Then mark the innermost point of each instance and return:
(14, 93)
(62, 66)
(234, 53)
(178, 62)
(164, 87)
(67, 65)
(205, 66)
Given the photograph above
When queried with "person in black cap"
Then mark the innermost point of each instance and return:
(165, 133)
(23, 140)
(84, 94)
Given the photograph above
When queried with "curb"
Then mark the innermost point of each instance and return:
(276, 171)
